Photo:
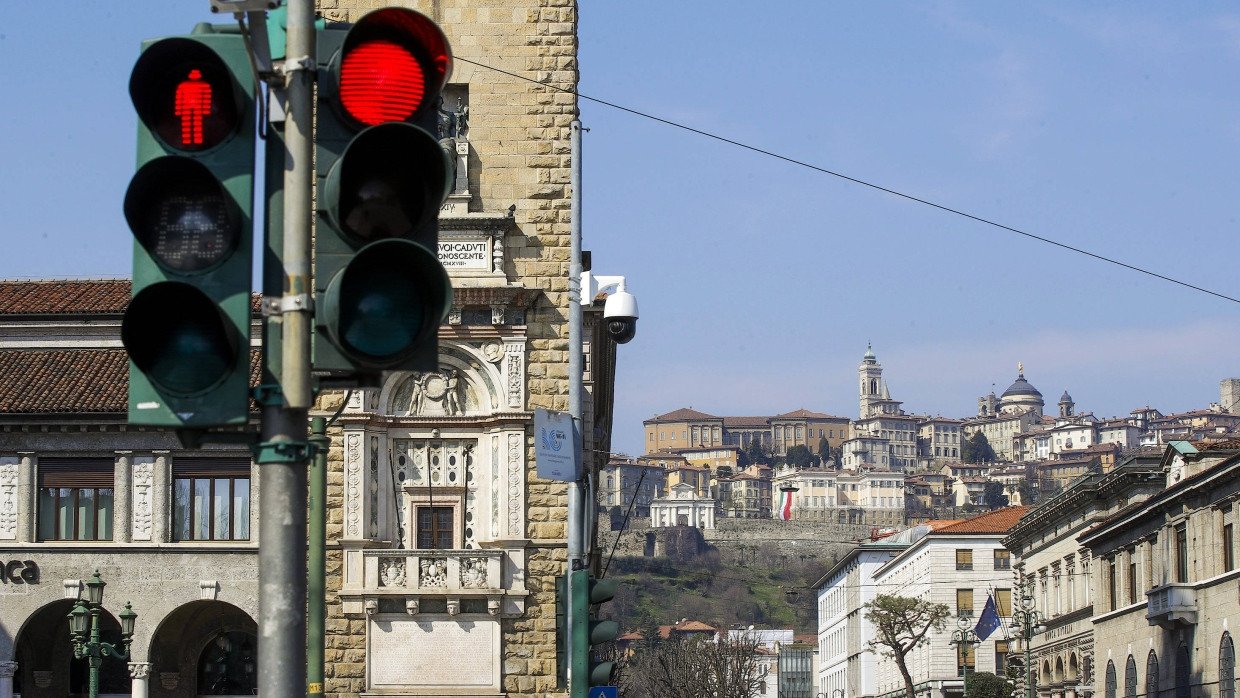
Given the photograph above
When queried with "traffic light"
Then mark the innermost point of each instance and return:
(380, 291)
(189, 206)
(589, 632)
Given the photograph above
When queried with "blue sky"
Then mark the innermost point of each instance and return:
(1113, 127)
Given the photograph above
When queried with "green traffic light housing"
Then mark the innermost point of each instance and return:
(189, 206)
(380, 291)
(586, 593)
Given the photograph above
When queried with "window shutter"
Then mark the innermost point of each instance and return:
(76, 472)
(210, 467)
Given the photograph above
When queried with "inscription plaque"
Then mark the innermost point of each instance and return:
(405, 652)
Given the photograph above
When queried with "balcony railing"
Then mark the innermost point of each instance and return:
(413, 575)
(1170, 604)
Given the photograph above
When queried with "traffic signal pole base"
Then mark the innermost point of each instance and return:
(282, 555)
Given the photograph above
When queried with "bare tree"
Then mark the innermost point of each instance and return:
(900, 625)
(695, 667)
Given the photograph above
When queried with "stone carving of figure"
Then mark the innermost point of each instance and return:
(453, 405)
(418, 394)
(453, 123)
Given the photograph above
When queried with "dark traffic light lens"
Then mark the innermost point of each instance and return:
(388, 183)
(381, 81)
(385, 301)
(383, 306)
(179, 339)
(185, 94)
(182, 215)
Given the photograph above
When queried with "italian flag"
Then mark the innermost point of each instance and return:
(785, 505)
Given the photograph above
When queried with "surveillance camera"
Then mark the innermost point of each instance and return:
(620, 313)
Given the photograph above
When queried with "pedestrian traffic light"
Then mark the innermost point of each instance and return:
(189, 206)
(380, 291)
(589, 632)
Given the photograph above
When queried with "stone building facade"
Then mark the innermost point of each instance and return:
(445, 545)
(1054, 568)
(1164, 581)
(171, 530)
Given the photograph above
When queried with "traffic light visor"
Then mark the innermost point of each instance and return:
(182, 215)
(179, 338)
(389, 183)
(385, 301)
(393, 64)
(185, 94)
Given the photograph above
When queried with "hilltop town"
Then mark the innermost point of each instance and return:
(887, 467)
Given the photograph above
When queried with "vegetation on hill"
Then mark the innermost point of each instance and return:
(761, 585)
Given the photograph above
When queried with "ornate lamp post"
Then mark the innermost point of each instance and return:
(84, 618)
(964, 638)
(1029, 622)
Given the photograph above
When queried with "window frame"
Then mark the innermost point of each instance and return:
(964, 559)
(212, 471)
(76, 475)
(961, 611)
(1003, 559)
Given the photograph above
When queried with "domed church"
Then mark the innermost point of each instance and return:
(1020, 396)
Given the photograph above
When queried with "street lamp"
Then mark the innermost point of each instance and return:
(964, 638)
(84, 619)
(1030, 623)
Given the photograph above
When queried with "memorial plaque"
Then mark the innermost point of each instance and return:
(407, 652)
(465, 252)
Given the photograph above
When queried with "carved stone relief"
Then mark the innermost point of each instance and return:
(353, 485)
(143, 499)
(447, 392)
(8, 499)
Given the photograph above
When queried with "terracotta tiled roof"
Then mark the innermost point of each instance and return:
(81, 381)
(683, 414)
(60, 296)
(73, 296)
(998, 521)
(806, 414)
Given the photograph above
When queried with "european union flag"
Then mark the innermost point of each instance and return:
(989, 622)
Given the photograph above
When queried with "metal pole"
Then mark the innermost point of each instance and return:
(283, 454)
(317, 612)
(95, 657)
(575, 516)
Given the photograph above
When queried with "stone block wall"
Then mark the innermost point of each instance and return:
(519, 131)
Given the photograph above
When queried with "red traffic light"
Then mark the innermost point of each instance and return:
(393, 64)
(185, 95)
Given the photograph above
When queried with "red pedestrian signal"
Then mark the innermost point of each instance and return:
(186, 96)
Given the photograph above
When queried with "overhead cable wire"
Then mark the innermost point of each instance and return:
(823, 170)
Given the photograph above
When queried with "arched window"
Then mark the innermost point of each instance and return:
(1227, 668)
(1151, 675)
(1182, 672)
(1110, 679)
(1130, 678)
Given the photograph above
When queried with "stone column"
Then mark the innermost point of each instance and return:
(122, 499)
(140, 672)
(27, 498)
(161, 498)
(7, 670)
